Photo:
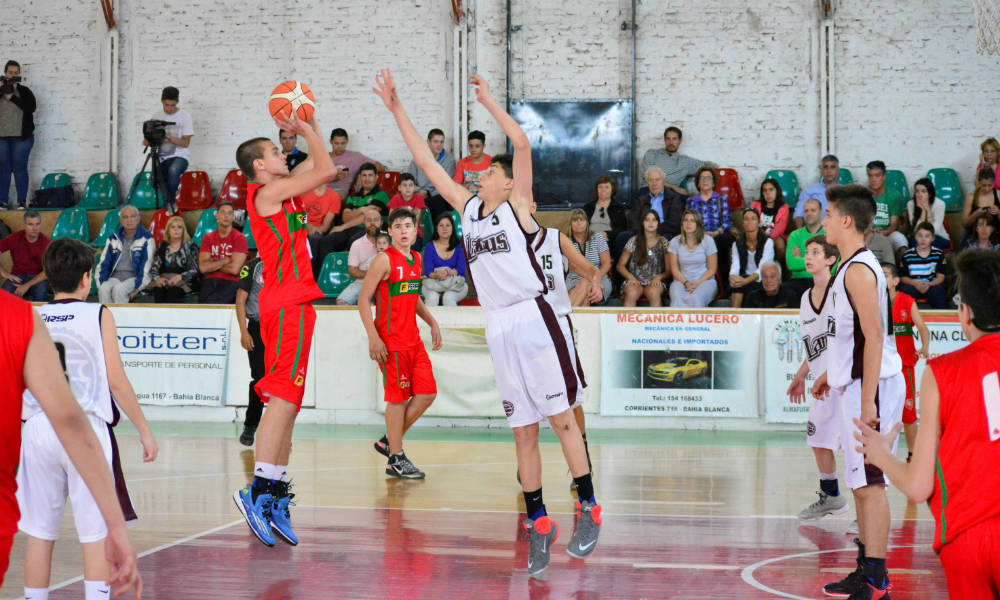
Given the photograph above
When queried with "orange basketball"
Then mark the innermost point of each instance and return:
(289, 96)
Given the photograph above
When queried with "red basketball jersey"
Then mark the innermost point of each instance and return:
(283, 246)
(16, 328)
(902, 328)
(396, 302)
(967, 482)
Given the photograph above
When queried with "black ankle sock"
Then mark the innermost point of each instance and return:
(875, 573)
(260, 486)
(533, 504)
(829, 487)
(586, 449)
(584, 487)
(861, 552)
(279, 489)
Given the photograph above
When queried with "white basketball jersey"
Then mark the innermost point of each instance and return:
(845, 360)
(549, 256)
(75, 328)
(817, 327)
(503, 266)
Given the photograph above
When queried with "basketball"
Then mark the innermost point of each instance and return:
(289, 96)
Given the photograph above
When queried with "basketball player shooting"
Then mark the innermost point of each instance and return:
(530, 350)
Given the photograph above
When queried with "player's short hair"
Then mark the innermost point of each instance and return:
(407, 177)
(434, 132)
(506, 162)
(675, 129)
(339, 132)
(31, 214)
(855, 201)
(248, 152)
(829, 158)
(65, 262)
(979, 287)
(924, 225)
(876, 165)
(986, 173)
(828, 248)
(402, 212)
(893, 269)
(170, 93)
(475, 134)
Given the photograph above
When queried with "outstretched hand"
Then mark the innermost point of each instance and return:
(385, 88)
(482, 88)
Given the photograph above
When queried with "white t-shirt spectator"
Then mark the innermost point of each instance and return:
(752, 266)
(361, 250)
(183, 126)
(936, 218)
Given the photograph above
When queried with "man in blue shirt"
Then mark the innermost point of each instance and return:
(830, 171)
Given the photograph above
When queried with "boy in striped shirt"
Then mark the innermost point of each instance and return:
(922, 269)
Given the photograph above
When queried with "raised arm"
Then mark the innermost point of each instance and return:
(521, 194)
(269, 198)
(454, 193)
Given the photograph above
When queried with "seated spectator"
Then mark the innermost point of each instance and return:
(435, 202)
(643, 263)
(771, 293)
(175, 153)
(880, 247)
(750, 250)
(983, 200)
(348, 163)
(989, 158)
(469, 167)
(409, 198)
(595, 249)
(693, 260)
(359, 257)
(922, 269)
(795, 252)
(444, 265)
(714, 210)
(986, 234)
(830, 176)
(888, 207)
(676, 167)
(773, 214)
(223, 253)
(666, 203)
(606, 215)
(366, 192)
(175, 264)
(925, 208)
(26, 247)
(127, 259)
(327, 231)
(293, 156)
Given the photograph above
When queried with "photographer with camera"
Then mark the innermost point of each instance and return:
(173, 136)
(17, 128)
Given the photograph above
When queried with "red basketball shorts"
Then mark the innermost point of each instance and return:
(287, 335)
(972, 561)
(407, 373)
(910, 403)
(5, 543)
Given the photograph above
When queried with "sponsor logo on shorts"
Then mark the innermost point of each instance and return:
(403, 382)
(810, 428)
(508, 407)
(299, 380)
(551, 396)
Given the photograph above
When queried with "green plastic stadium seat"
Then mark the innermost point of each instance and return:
(457, 220)
(333, 276)
(789, 185)
(206, 225)
(427, 225)
(845, 177)
(947, 188)
(897, 181)
(101, 192)
(251, 245)
(72, 223)
(110, 225)
(54, 180)
(142, 195)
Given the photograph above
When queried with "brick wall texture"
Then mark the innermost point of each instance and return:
(740, 77)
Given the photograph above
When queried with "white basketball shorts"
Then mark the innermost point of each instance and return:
(889, 399)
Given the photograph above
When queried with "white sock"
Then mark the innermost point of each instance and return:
(828, 476)
(282, 471)
(97, 590)
(36, 593)
(265, 470)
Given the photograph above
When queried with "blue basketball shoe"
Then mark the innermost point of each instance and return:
(281, 518)
(256, 512)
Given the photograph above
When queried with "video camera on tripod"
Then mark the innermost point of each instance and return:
(155, 131)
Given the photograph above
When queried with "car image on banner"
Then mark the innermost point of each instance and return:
(685, 369)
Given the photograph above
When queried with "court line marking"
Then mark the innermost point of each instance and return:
(154, 550)
(747, 573)
(684, 566)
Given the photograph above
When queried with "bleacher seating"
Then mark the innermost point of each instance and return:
(248, 232)
(141, 193)
(947, 188)
(194, 192)
(388, 182)
(72, 223)
(456, 219)
(234, 189)
(54, 180)
(101, 192)
(427, 225)
(729, 185)
(206, 225)
(895, 180)
(111, 223)
(845, 177)
(158, 225)
(333, 276)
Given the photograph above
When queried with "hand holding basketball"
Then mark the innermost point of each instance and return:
(292, 97)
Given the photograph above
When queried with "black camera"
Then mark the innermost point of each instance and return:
(154, 130)
(7, 85)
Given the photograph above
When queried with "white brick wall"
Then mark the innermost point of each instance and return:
(736, 75)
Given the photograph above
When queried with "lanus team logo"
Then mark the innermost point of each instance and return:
(815, 346)
(491, 244)
(508, 407)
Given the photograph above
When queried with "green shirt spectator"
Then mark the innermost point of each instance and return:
(888, 205)
(366, 193)
(796, 262)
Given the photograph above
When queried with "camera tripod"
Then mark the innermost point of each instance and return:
(153, 157)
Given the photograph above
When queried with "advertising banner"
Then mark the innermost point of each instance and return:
(175, 357)
(679, 364)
